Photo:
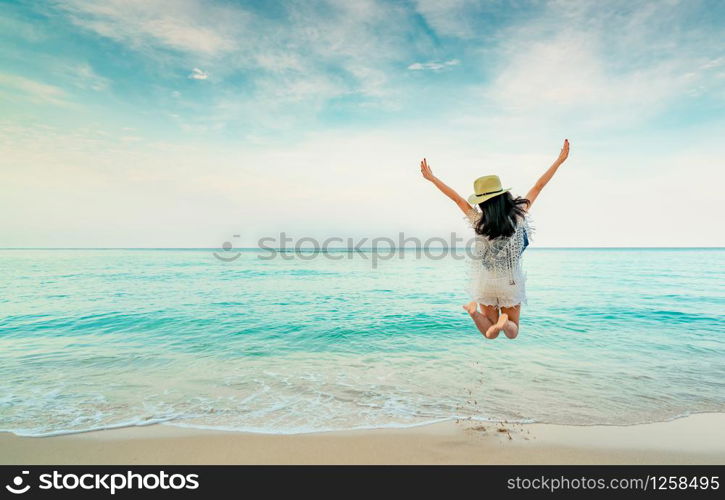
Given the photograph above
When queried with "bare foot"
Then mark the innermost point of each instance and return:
(481, 321)
(496, 328)
(471, 308)
(510, 329)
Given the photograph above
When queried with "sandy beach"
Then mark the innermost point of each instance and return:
(697, 439)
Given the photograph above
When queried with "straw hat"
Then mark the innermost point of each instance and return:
(485, 188)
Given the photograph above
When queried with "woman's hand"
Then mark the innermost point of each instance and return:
(426, 171)
(428, 175)
(564, 154)
(544, 179)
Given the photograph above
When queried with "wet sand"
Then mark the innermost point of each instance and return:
(697, 439)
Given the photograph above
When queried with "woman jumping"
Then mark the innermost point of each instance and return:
(503, 229)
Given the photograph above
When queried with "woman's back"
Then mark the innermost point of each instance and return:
(497, 274)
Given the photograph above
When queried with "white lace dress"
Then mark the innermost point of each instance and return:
(497, 277)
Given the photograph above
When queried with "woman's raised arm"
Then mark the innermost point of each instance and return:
(446, 190)
(544, 179)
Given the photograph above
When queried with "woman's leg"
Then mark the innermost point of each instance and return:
(511, 325)
(492, 314)
(483, 320)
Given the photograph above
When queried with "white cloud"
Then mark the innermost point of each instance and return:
(570, 74)
(713, 63)
(352, 44)
(33, 90)
(198, 74)
(433, 65)
(596, 64)
(190, 26)
(85, 77)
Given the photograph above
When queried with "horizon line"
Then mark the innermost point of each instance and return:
(304, 249)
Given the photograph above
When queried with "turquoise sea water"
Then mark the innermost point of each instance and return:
(93, 339)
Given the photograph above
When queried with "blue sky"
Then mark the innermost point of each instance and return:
(159, 123)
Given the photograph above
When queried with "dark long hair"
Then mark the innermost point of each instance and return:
(500, 215)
